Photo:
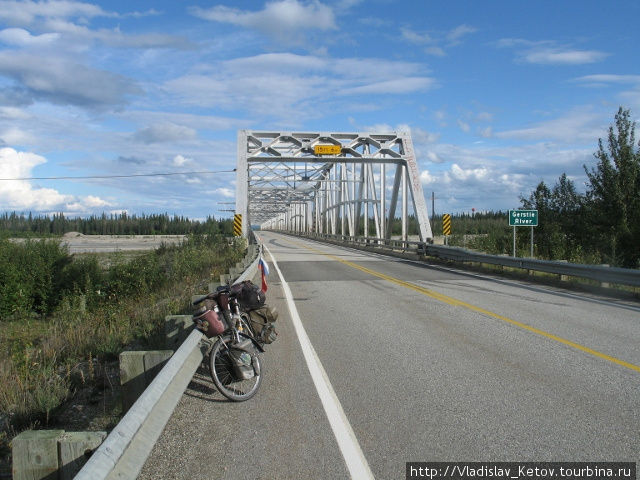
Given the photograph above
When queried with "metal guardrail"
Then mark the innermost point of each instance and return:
(125, 450)
(599, 273)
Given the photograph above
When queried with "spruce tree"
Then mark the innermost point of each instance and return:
(613, 194)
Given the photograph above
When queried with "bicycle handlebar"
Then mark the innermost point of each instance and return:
(209, 296)
(214, 295)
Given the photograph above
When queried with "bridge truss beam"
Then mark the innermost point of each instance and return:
(282, 184)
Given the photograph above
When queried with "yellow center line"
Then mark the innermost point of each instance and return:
(459, 303)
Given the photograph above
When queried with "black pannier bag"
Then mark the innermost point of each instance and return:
(263, 323)
(249, 295)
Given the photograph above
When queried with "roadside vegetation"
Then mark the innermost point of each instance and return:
(60, 313)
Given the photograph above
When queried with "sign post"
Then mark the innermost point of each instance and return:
(523, 218)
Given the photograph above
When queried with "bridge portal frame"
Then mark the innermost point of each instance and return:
(282, 184)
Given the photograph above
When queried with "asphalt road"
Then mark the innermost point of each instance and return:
(426, 364)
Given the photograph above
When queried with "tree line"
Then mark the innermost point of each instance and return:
(14, 224)
(603, 224)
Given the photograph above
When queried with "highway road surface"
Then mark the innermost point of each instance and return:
(381, 361)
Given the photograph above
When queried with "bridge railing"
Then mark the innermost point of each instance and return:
(598, 273)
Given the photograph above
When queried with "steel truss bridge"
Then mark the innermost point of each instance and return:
(286, 182)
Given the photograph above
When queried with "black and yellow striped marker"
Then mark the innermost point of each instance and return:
(237, 224)
(446, 224)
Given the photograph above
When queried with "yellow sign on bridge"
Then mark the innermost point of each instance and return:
(327, 149)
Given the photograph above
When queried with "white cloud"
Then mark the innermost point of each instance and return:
(190, 120)
(433, 157)
(468, 174)
(608, 78)
(13, 113)
(166, 132)
(435, 51)
(286, 21)
(420, 135)
(630, 98)
(115, 38)
(460, 31)
(489, 176)
(289, 83)
(426, 178)
(433, 41)
(16, 136)
(225, 192)
(22, 38)
(545, 52)
(398, 86)
(18, 164)
(26, 12)
(21, 195)
(563, 57)
(88, 203)
(486, 132)
(65, 82)
(574, 127)
(463, 126)
(415, 37)
(179, 160)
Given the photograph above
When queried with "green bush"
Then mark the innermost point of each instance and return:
(29, 274)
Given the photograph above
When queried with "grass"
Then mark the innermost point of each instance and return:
(112, 306)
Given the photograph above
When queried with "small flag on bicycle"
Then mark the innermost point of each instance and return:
(264, 268)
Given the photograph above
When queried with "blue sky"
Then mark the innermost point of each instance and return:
(498, 95)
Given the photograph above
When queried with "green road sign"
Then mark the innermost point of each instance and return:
(523, 218)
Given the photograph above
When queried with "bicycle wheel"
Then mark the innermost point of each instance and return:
(225, 377)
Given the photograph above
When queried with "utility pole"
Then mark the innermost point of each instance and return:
(433, 205)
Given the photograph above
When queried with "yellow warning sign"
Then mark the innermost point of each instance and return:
(237, 224)
(446, 224)
(327, 149)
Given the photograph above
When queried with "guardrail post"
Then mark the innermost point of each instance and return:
(52, 454)
(137, 371)
(176, 330)
(35, 454)
(563, 277)
(605, 284)
(74, 449)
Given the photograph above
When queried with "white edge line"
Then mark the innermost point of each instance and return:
(346, 438)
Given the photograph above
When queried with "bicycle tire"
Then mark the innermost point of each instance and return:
(223, 376)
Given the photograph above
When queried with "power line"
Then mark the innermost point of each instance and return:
(121, 176)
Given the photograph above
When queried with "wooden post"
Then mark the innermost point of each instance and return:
(35, 454)
(74, 449)
(137, 370)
